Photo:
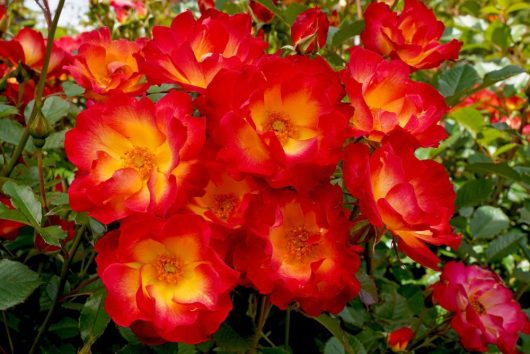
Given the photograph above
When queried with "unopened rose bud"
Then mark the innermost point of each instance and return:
(261, 13)
(39, 129)
(310, 30)
(399, 339)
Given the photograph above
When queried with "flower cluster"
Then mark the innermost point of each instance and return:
(225, 178)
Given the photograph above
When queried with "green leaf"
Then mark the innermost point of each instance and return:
(453, 83)
(25, 201)
(474, 192)
(52, 234)
(55, 108)
(471, 119)
(55, 140)
(334, 346)
(368, 294)
(503, 245)
(499, 33)
(186, 349)
(17, 282)
(66, 328)
(500, 75)
(501, 169)
(6, 110)
(93, 319)
(228, 339)
(12, 215)
(292, 11)
(518, 6)
(522, 276)
(10, 131)
(394, 307)
(488, 221)
(71, 89)
(347, 30)
(332, 324)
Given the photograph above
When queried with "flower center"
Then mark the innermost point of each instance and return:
(280, 125)
(299, 246)
(168, 269)
(141, 159)
(224, 205)
(477, 306)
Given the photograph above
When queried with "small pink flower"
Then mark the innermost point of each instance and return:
(484, 309)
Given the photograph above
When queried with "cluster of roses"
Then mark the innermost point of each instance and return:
(500, 109)
(226, 179)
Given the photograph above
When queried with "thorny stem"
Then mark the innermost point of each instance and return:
(8, 168)
(60, 288)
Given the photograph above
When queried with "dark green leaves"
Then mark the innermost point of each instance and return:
(462, 80)
(29, 211)
(93, 319)
(453, 83)
(347, 30)
(17, 282)
(488, 221)
(474, 192)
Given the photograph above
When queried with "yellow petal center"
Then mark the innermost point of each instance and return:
(168, 268)
(224, 205)
(141, 159)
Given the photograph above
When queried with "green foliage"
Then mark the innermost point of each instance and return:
(17, 282)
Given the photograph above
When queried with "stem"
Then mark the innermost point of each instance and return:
(262, 318)
(60, 288)
(11, 346)
(8, 168)
(41, 180)
(287, 325)
(359, 9)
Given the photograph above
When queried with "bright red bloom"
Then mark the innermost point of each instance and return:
(261, 13)
(297, 251)
(413, 198)
(384, 98)
(28, 47)
(8, 228)
(398, 340)
(310, 30)
(413, 36)
(133, 156)
(283, 120)
(164, 280)
(484, 309)
(103, 66)
(191, 52)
